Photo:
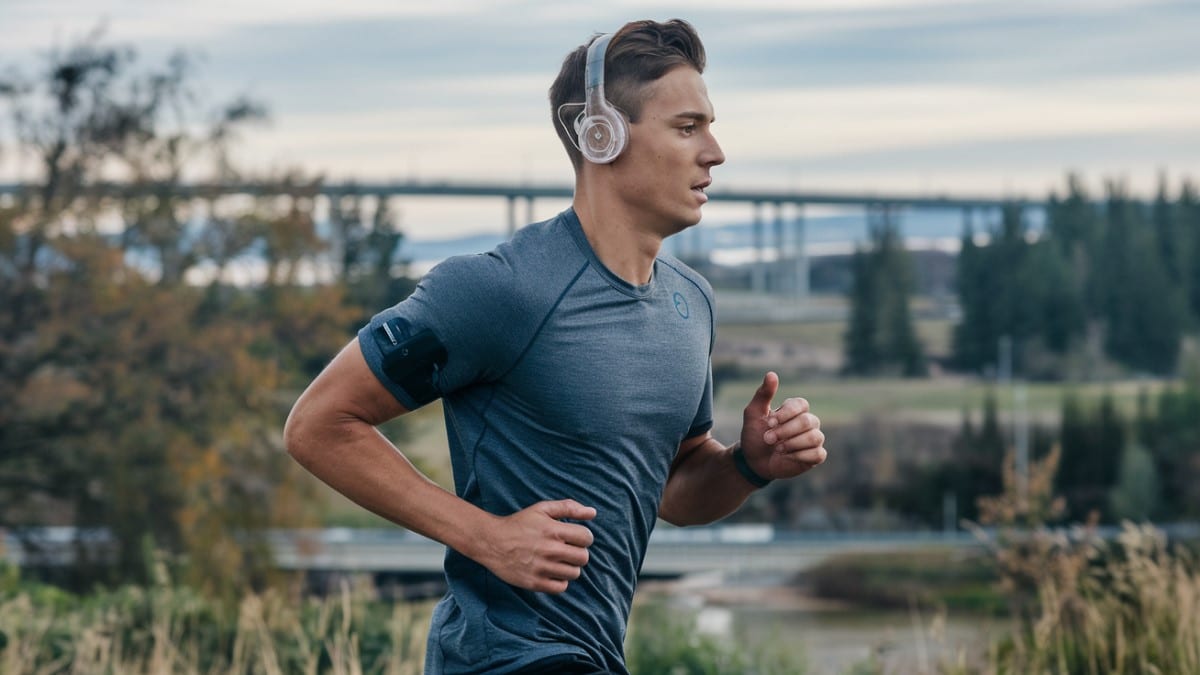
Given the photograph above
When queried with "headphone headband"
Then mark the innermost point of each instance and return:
(602, 129)
(593, 71)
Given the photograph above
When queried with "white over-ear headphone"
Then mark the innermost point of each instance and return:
(602, 130)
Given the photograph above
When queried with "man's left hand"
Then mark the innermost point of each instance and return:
(780, 443)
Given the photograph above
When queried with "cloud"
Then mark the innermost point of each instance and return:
(953, 94)
(195, 21)
(963, 42)
(830, 121)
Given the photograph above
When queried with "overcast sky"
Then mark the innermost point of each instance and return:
(992, 97)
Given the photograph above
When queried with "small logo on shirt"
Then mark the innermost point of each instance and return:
(681, 305)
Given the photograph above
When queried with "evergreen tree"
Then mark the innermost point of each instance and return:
(987, 465)
(1092, 446)
(1056, 298)
(899, 345)
(972, 332)
(1071, 221)
(977, 463)
(862, 357)
(1168, 235)
(999, 293)
(1142, 309)
(880, 337)
(1173, 444)
(1187, 208)
(1075, 440)
(1072, 227)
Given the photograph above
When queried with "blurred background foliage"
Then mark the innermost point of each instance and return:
(137, 398)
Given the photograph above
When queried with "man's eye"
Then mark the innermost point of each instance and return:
(688, 130)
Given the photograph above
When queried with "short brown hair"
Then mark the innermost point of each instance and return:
(639, 53)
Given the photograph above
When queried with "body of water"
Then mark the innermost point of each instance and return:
(829, 639)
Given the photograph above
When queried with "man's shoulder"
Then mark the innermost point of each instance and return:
(548, 243)
(678, 267)
(537, 262)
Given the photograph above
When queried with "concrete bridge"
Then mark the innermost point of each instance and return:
(404, 564)
(781, 257)
(727, 549)
(673, 552)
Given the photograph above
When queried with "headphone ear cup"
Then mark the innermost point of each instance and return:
(602, 137)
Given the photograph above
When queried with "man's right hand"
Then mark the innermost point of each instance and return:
(533, 549)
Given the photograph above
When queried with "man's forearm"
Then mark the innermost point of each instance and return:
(704, 487)
(355, 459)
(531, 549)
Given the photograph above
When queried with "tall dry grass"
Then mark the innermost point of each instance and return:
(1130, 605)
(1081, 604)
(171, 630)
(164, 630)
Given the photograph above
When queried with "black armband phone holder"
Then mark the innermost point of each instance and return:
(412, 361)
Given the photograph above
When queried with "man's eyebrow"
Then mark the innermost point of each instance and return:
(695, 115)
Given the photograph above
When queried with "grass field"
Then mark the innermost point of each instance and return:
(934, 334)
(939, 399)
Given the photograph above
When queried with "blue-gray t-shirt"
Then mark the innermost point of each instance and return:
(561, 381)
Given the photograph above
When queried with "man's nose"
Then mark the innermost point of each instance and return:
(713, 154)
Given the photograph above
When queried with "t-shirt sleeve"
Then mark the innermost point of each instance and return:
(467, 305)
(703, 421)
(704, 415)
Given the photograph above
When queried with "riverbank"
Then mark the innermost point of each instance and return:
(828, 636)
(1073, 602)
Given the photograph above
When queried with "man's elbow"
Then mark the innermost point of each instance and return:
(669, 518)
(683, 518)
(677, 522)
(296, 431)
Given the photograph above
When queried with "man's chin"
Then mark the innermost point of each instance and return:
(692, 220)
(683, 224)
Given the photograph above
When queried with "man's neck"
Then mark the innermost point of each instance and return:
(623, 244)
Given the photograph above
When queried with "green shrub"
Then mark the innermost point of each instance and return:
(931, 578)
(662, 641)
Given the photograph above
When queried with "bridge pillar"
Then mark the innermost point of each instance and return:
(528, 210)
(799, 256)
(512, 215)
(882, 216)
(758, 271)
(779, 281)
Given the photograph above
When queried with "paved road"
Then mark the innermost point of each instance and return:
(726, 549)
(732, 549)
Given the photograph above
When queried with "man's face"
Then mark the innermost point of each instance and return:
(663, 172)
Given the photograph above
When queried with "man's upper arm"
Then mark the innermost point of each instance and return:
(348, 387)
(687, 448)
(466, 323)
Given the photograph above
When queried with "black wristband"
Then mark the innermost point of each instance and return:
(743, 467)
